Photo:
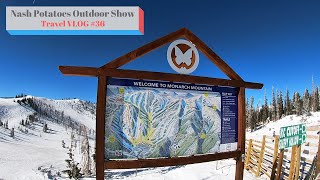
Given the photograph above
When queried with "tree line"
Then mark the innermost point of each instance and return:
(43, 109)
(280, 106)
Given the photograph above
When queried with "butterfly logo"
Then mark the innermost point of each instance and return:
(182, 56)
(182, 59)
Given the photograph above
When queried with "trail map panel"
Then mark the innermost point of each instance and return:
(154, 119)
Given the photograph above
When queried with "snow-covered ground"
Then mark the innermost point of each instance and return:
(31, 155)
(268, 129)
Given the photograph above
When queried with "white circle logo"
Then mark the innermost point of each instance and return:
(183, 56)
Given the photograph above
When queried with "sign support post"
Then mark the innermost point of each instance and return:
(241, 133)
(297, 162)
(100, 130)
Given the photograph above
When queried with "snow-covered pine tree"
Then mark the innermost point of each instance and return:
(73, 139)
(73, 170)
(251, 115)
(265, 108)
(93, 169)
(45, 127)
(274, 106)
(62, 116)
(279, 105)
(315, 101)
(297, 104)
(12, 132)
(287, 103)
(63, 144)
(306, 102)
(293, 109)
(258, 113)
(85, 151)
(247, 113)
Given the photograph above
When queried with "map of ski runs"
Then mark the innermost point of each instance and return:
(145, 122)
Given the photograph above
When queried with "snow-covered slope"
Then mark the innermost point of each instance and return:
(12, 112)
(271, 127)
(32, 153)
(79, 110)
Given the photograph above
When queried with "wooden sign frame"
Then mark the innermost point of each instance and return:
(110, 70)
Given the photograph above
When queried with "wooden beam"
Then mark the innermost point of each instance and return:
(318, 156)
(212, 56)
(263, 145)
(78, 71)
(90, 71)
(275, 156)
(248, 155)
(120, 61)
(178, 78)
(241, 133)
(162, 162)
(292, 162)
(100, 120)
(297, 163)
(279, 167)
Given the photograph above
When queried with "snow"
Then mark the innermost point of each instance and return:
(12, 112)
(268, 129)
(74, 109)
(224, 169)
(31, 155)
(25, 155)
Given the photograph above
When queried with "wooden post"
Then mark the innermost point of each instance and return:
(263, 144)
(297, 162)
(248, 154)
(292, 162)
(318, 157)
(279, 167)
(100, 126)
(276, 148)
(275, 156)
(241, 133)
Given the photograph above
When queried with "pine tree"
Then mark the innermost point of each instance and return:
(63, 144)
(265, 108)
(85, 151)
(258, 113)
(94, 161)
(73, 170)
(12, 132)
(287, 103)
(279, 106)
(306, 102)
(315, 101)
(297, 104)
(247, 113)
(251, 115)
(274, 106)
(45, 127)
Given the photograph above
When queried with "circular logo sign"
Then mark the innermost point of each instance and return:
(183, 57)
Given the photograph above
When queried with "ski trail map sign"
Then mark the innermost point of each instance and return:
(153, 119)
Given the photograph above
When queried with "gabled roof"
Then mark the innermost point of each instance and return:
(185, 33)
(111, 69)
